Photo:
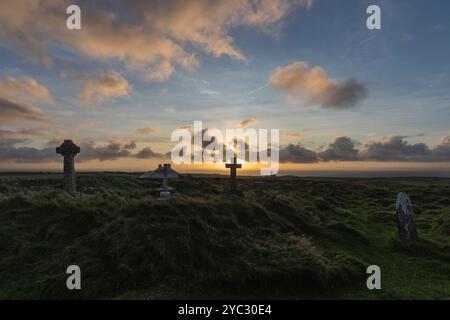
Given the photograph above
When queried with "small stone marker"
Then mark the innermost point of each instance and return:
(69, 150)
(405, 218)
(164, 172)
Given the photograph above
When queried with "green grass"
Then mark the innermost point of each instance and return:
(292, 238)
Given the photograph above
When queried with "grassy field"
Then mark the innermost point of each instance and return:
(288, 238)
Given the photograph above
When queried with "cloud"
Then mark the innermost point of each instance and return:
(21, 135)
(146, 130)
(297, 154)
(296, 135)
(114, 150)
(26, 89)
(27, 154)
(16, 97)
(89, 151)
(247, 122)
(154, 37)
(106, 86)
(111, 151)
(86, 125)
(10, 138)
(209, 92)
(395, 148)
(342, 149)
(165, 69)
(307, 87)
(187, 127)
(11, 112)
(147, 153)
(130, 146)
(11, 151)
(442, 151)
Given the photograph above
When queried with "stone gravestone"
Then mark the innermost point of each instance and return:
(69, 150)
(165, 173)
(405, 218)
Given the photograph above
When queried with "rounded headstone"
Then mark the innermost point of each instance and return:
(405, 218)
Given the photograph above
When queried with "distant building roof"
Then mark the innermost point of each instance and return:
(162, 171)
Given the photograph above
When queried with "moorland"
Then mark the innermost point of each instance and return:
(288, 237)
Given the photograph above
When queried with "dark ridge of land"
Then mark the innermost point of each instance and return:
(289, 237)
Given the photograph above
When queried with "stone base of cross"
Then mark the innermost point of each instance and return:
(164, 195)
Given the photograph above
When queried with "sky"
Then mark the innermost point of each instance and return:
(345, 98)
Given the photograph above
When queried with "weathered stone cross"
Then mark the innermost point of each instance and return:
(233, 173)
(165, 179)
(69, 150)
(164, 172)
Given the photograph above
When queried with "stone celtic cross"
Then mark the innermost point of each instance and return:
(69, 150)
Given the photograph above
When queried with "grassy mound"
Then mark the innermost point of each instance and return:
(292, 238)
